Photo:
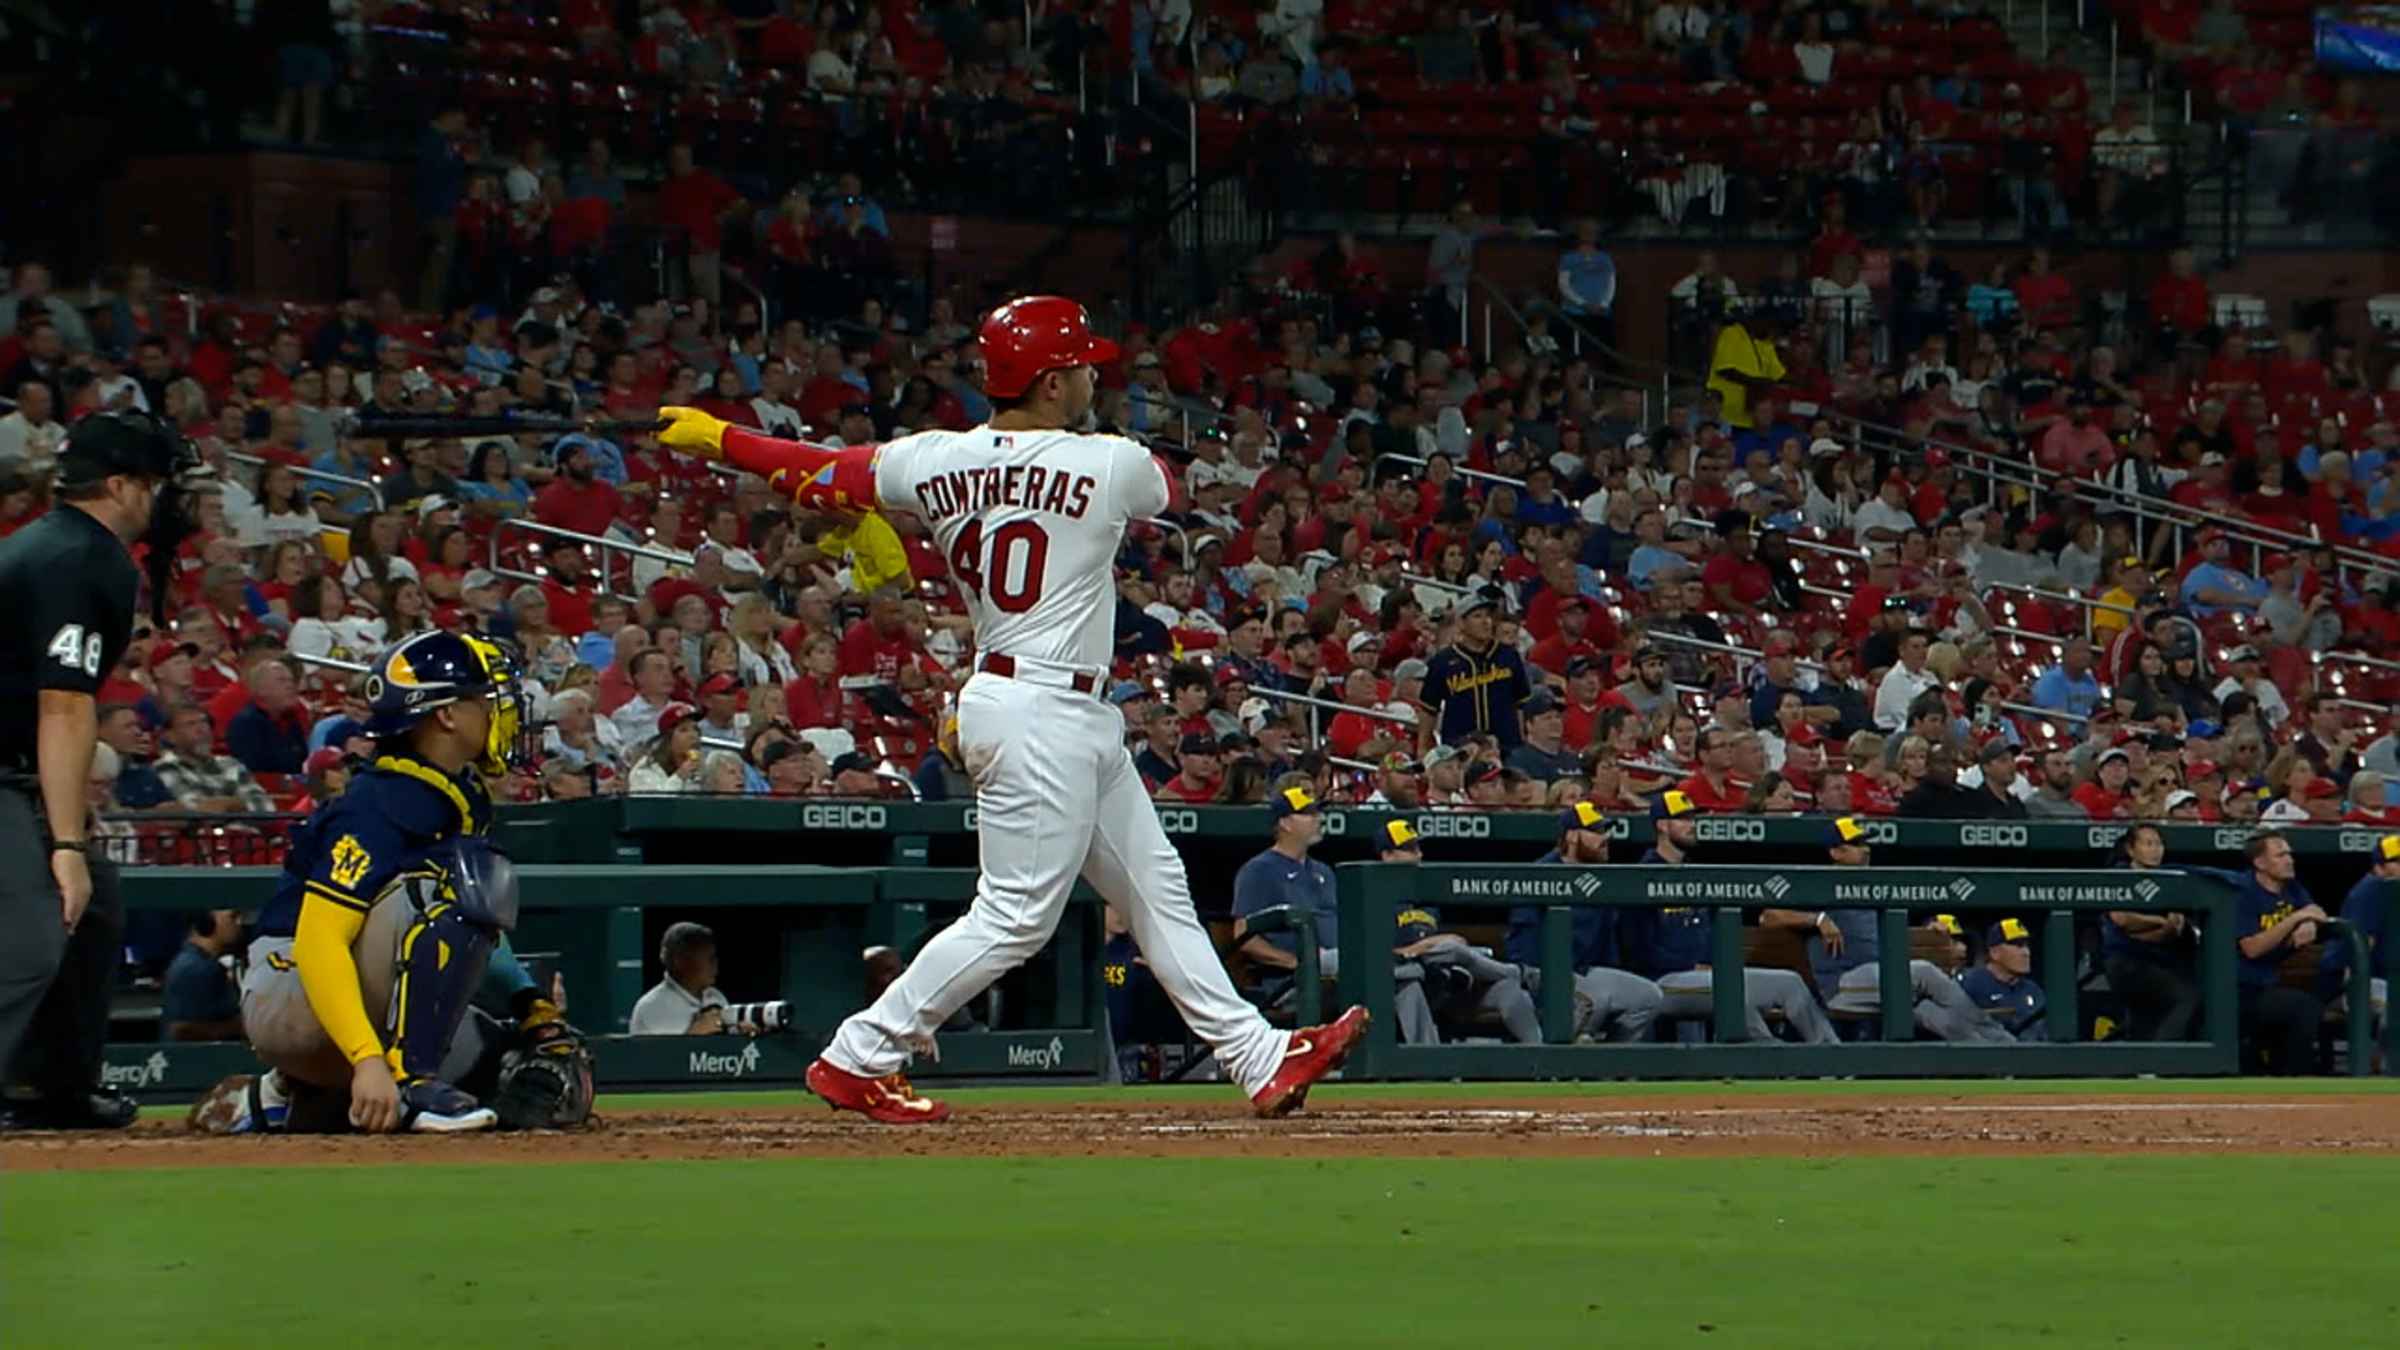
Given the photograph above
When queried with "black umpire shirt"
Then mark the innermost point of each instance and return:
(67, 588)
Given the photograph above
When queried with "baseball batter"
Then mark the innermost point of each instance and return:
(1030, 516)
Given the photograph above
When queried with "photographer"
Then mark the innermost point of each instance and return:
(687, 1002)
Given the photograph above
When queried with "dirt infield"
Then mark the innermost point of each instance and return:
(1498, 1126)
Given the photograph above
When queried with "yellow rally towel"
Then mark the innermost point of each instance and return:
(872, 548)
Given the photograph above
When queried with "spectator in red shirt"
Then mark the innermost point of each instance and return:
(2104, 795)
(577, 499)
(2296, 374)
(1568, 642)
(1586, 701)
(875, 647)
(2077, 445)
(1198, 778)
(696, 203)
(814, 698)
(1354, 734)
(1737, 581)
(1711, 787)
(2046, 297)
(2179, 300)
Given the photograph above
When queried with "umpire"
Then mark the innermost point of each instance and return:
(67, 591)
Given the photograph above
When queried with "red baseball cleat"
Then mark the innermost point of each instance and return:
(1313, 1053)
(889, 1099)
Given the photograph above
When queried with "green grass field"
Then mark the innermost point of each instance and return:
(2193, 1251)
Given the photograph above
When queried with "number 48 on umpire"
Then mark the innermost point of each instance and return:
(68, 585)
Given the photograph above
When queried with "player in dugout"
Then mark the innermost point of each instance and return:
(1460, 979)
(1844, 947)
(1611, 1003)
(1670, 944)
(2368, 908)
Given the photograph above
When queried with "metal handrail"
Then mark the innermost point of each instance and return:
(1420, 462)
(1733, 649)
(2019, 473)
(332, 663)
(1314, 704)
(1313, 701)
(604, 545)
(2357, 658)
(1182, 535)
(1607, 379)
(306, 471)
(1422, 579)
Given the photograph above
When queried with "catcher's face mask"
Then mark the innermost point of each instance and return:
(508, 743)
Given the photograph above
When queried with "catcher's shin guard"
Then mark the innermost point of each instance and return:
(442, 956)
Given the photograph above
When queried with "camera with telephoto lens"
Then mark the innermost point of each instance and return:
(766, 1017)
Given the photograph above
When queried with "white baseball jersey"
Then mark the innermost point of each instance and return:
(1030, 522)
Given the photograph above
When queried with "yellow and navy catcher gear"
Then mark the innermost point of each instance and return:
(435, 670)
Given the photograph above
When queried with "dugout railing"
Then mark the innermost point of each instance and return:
(811, 926)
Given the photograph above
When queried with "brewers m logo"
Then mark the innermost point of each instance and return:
(348, 863)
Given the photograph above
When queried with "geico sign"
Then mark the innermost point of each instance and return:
(2105, 836)
(1882, 832)
(842, 817)
(1993, 836)
(1333, 822)
(1718, 831)
(1179, 822)
(1454, 826)
(2359, 841)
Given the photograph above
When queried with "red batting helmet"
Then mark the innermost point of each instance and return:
(1036, 333)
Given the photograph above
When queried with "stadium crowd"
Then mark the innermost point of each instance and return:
(1917, 544)
(1416, 576)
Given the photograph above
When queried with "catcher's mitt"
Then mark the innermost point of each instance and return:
(545, 1081)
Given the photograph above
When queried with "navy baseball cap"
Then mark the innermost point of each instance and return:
(1672, 804)
(1845, 832)
(1198, 744)
(1297, 801)
(1581, 816)
(2007, 931)
(1399, 834)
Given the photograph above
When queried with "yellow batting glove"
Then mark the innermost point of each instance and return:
(693, 432)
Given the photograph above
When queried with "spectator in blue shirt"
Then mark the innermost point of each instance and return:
(2069, 687)
(441, 165)
(1329, 77)
(271, 734)
(489, 354)
(2273, 917)
(137, 782)
(847, 189)
(606, 457)
(1651, 555)
(2215, 586)
(1587, 282)
(1541, 504)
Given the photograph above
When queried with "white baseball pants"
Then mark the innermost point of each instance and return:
(1057, 796)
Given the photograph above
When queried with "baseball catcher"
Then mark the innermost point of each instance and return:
(391, 915)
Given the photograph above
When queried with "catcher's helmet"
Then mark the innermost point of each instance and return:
(1033, 334)
(434, 670)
